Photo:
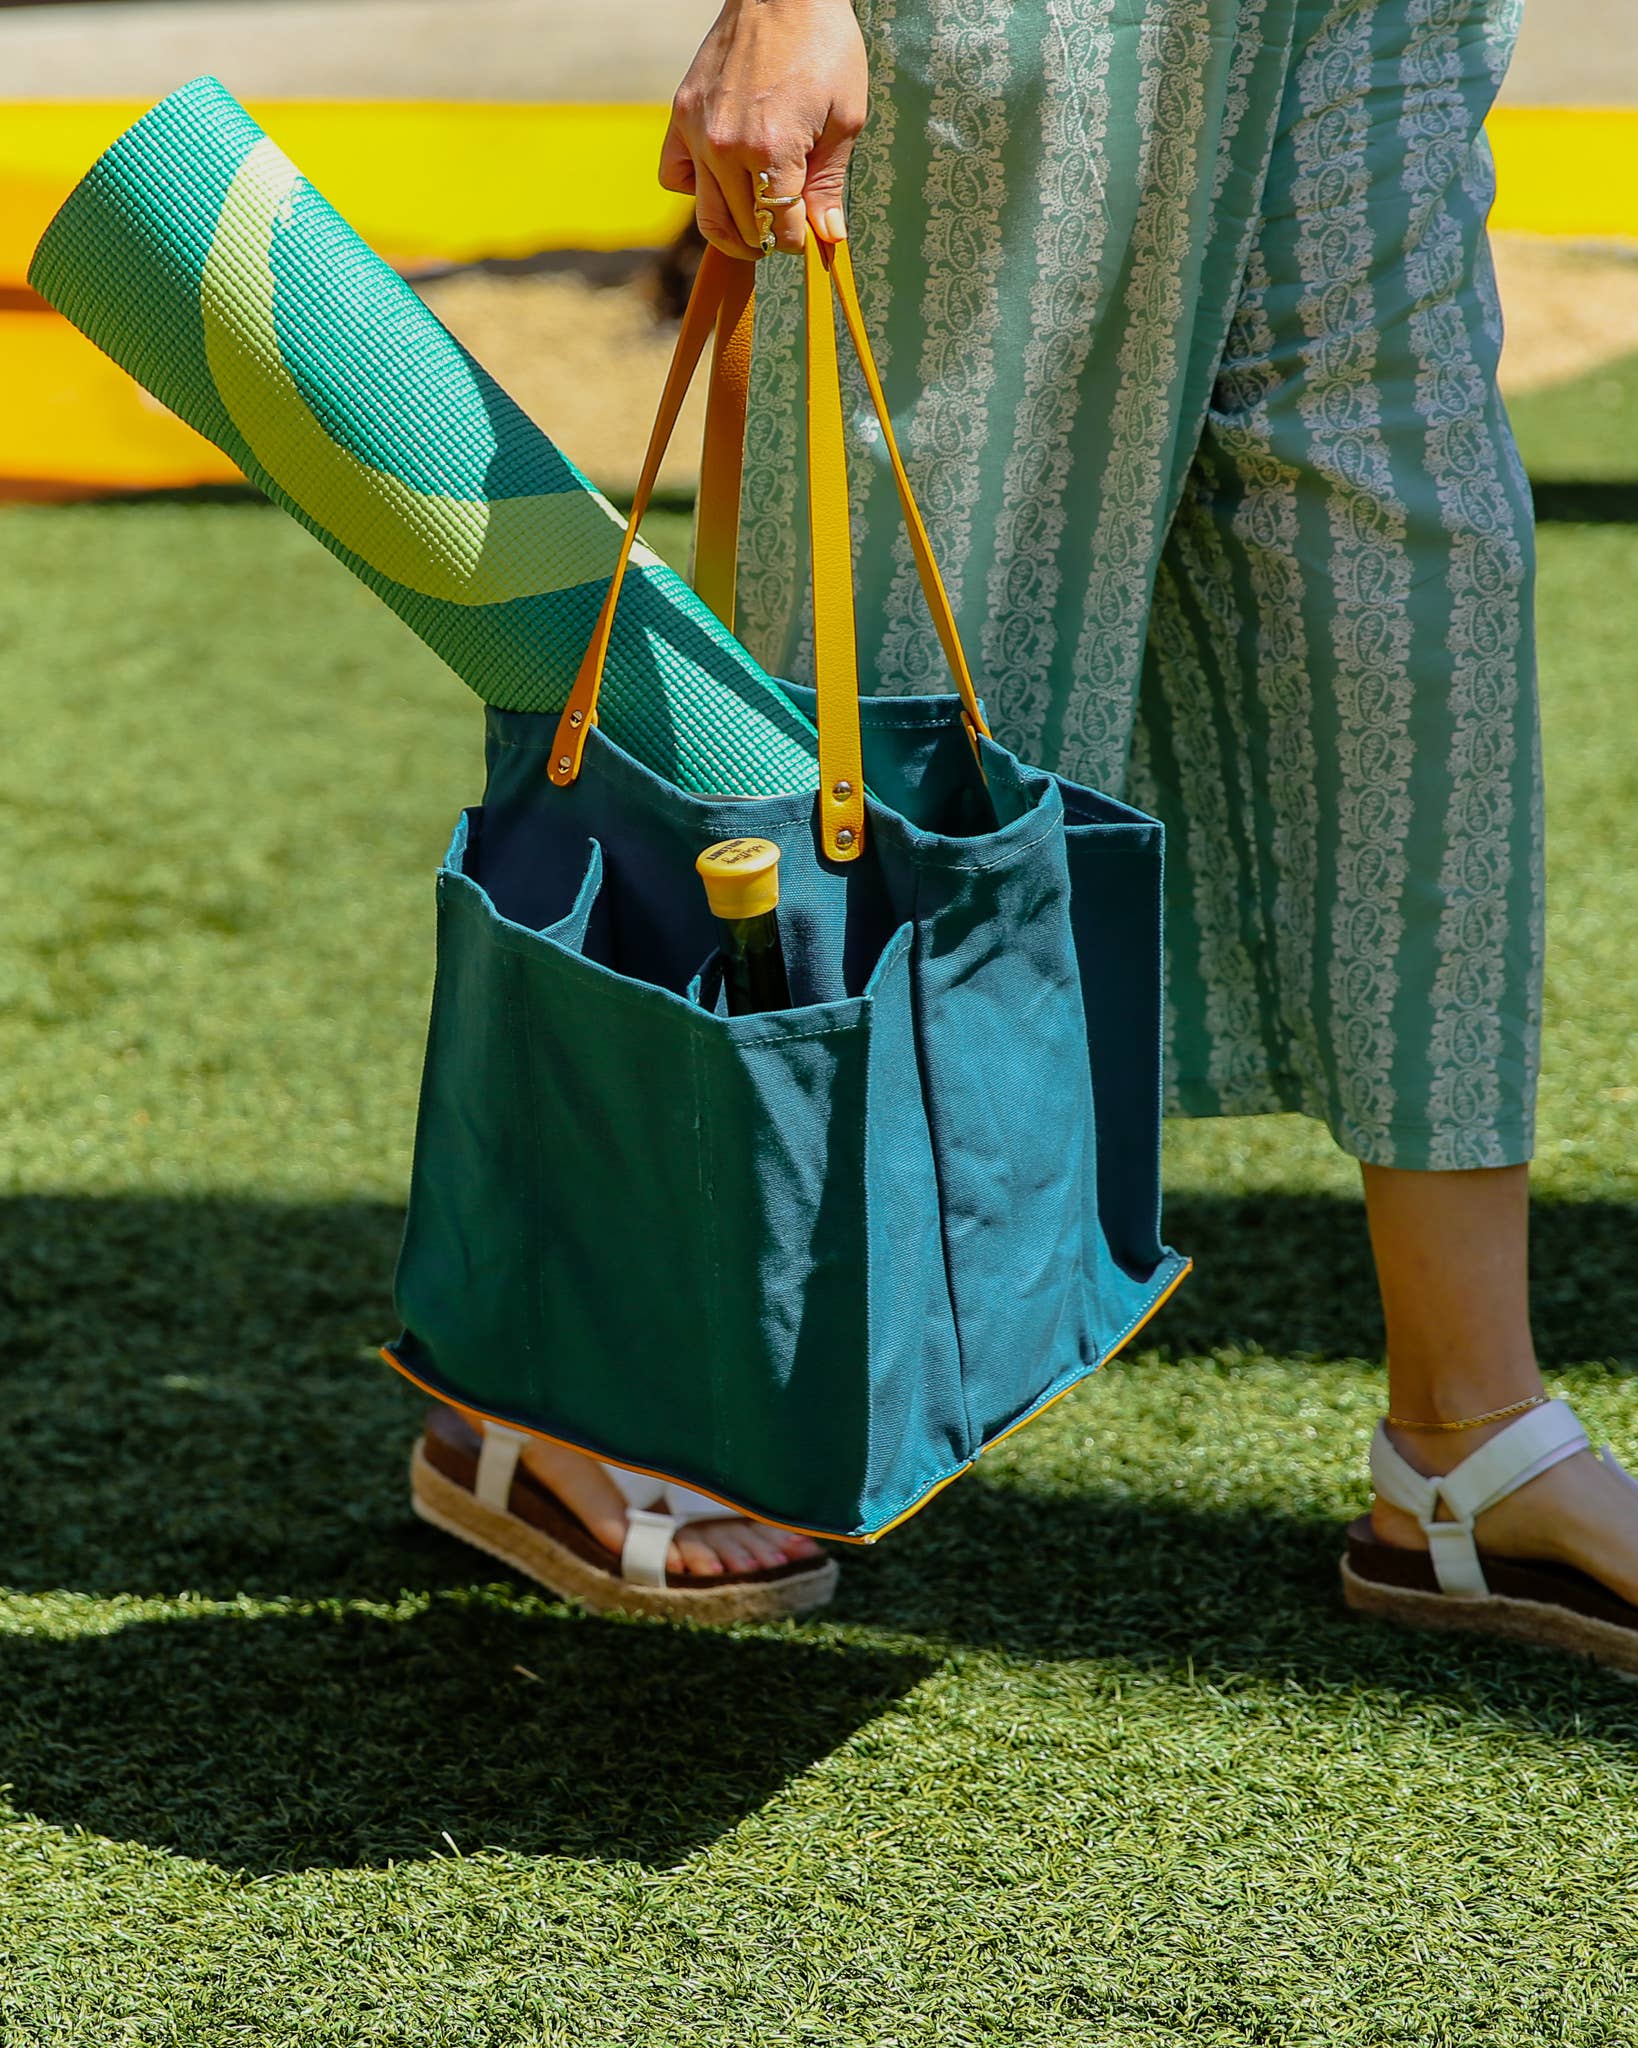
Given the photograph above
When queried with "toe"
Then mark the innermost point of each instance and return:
(691, 1553)
(770, 1546)
(737, 1545)
(734, 1544)
(775, 1546)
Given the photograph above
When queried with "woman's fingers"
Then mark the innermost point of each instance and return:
(719, 223)
(735, 179)
(735, 182)
(676, 159)
(826, 183)
(787, 224)
(743, 188)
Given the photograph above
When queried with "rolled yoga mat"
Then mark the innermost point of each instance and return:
(197, 256)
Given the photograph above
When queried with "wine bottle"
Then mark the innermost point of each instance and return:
(741, 879)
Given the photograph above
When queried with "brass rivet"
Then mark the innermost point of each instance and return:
(842, 789)
(575, 717)
(564, 765)
(844, 838)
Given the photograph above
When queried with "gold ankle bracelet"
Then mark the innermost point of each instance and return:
(1476, 1421)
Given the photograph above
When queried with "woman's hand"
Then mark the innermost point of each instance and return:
(777, 86)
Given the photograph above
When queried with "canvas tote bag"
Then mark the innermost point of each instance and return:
(812, 1261)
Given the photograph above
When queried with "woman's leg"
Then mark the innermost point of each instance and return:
(1451, 1261)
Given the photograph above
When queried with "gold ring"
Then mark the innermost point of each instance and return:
(766, 202)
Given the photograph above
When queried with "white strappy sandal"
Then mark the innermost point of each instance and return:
(1454, 1584)
(476, 1488)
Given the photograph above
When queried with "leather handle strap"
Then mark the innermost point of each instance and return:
(722, 458)
(713, 288)
(830, 533)
(717, 533)
(723, 299)
(932, 583)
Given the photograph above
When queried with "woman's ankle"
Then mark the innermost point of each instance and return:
(1437, 1417)
(1435, 1452)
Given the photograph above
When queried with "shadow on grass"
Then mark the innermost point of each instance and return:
(286, 1742)
(194, 1403)
(1602, 502)
(1292, 1275)
(194, 1400)
(1597, 501)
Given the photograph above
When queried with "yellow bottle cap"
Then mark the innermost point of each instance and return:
(741, 877)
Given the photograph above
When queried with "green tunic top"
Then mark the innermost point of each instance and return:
(1190, 333)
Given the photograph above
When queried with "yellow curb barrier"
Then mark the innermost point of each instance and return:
(438, 182)
(424, 182)
(1570, 172)
(80, 427)
(433, 182)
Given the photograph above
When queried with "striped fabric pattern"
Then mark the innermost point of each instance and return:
(1188, 325)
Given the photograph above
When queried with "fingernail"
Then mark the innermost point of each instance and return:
(835, 226)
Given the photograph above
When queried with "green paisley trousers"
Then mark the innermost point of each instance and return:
(1190, 333)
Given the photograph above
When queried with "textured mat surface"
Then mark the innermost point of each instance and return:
(201, 260)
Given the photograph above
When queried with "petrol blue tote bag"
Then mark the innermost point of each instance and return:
(811, 1261)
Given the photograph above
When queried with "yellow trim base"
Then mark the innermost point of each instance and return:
(479, 1416)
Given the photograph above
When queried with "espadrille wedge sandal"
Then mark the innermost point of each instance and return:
(476, 1487)
(1454, 1584)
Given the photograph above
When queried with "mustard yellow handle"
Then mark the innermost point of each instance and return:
(830, 534)
(932, 583)
(722, 459)
(723, 299)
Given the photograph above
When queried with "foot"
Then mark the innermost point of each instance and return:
(706, 1549)
(1581, 1512)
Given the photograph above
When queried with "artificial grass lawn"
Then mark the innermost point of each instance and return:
(1583, 431)
(1089, 1752)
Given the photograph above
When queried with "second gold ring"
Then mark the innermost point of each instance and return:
(767, 204)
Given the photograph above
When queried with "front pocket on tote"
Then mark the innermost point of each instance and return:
(625, 1206)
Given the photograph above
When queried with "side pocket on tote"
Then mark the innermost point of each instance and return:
(623, 1204)
(1115, 865)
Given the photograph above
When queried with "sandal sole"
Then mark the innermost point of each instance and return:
(1524, 1621)
(442, 1504)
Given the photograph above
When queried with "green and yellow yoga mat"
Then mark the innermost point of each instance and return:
(198, 257)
